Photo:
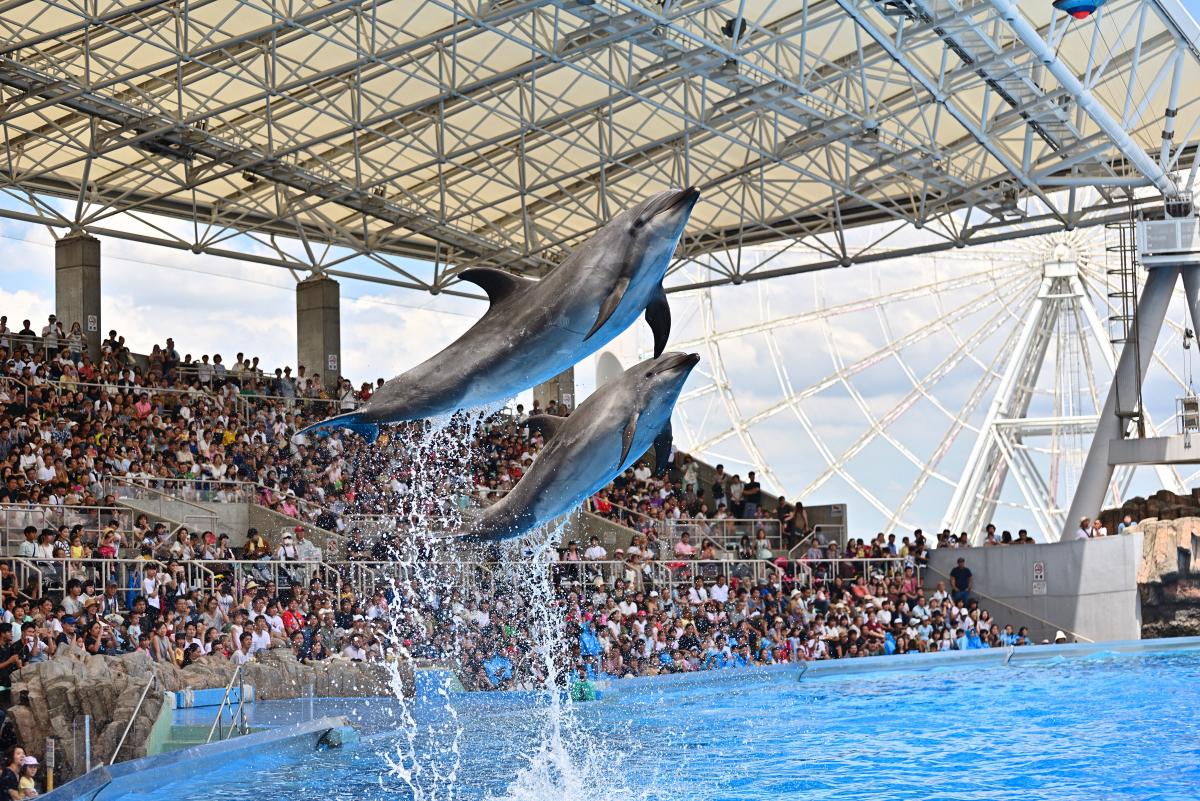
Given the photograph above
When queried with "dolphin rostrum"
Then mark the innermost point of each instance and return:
(534, 330)
(605, 435)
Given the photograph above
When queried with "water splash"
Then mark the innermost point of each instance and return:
(569, 762)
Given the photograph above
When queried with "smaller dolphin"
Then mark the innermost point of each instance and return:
(534, 330)
(606, 434)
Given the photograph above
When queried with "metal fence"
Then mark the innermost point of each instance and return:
(163, 505)
(15, 517)
(52, 575)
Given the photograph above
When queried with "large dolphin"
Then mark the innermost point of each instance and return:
(534, 330)
(605, 435)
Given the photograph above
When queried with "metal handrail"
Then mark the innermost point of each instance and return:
(197, 572)
(1018, 610)
(209, 518)
(43, 515)
(235, 713)
(132, 718)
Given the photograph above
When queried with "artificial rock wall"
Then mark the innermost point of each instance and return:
(51, 697)
(1169, 577)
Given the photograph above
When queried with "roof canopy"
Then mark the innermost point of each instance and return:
(461, 133)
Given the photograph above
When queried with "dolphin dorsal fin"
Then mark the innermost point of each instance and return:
(496, 283)
(547, 424)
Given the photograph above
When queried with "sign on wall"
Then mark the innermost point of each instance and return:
(332, 363)
(93, 323)
(1039, 571)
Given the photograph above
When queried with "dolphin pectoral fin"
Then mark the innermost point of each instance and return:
(496, 283)
(658, 315)
(627, 436)
(609, 305)
(547, 424)
(662, 449)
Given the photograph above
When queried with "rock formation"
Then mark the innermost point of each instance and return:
(50, 698)
(1169, 577)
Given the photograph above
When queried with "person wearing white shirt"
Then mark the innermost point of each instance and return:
(1082, 533)
(595, 551)
(150, 584)
(354, 650)
(245, 651)
(697, 594)
(274, 619)
(260, 638)
(719, 592)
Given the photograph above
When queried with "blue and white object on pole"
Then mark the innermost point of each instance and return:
(1079, 9)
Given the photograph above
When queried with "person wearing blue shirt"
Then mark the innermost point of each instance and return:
(498, 669)
(740, 657)
(889, 643)
(589, 643)
(962, 643)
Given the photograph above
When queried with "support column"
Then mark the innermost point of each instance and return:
(1122, 395)
(77, 287)
(560, 389)
(319, 328)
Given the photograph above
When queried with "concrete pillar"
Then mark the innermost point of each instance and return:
(1122, 396)
(77, 287)
(319, 328)
(560, 389)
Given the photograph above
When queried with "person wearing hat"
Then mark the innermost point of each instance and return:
(1060, 638)
(286, 552)
(27, 782)
(256, 545)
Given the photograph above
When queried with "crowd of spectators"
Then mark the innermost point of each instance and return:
(70, 422)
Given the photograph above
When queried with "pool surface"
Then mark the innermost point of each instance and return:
(1100, 727)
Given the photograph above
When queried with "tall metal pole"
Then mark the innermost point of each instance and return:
(1123, 394)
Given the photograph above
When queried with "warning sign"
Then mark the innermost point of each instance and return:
(1039, 571)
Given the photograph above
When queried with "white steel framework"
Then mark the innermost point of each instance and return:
(943, 390)
(402, 141)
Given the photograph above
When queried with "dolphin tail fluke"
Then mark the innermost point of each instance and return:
(352, 421)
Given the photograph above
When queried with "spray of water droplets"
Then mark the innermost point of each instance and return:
(429, 468)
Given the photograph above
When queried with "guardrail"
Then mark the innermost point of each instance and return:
(15, 388)
(15, 517)
(53, 574)
(195, 517)
(237, 715)
(824, 571)
(727, 533)
(121, 743)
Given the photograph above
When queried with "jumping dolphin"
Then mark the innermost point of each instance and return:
(534, 330)
(605, 435)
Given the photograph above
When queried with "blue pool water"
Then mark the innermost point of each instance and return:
(1101, 727)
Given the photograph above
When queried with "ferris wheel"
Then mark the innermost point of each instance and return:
(952, 390)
